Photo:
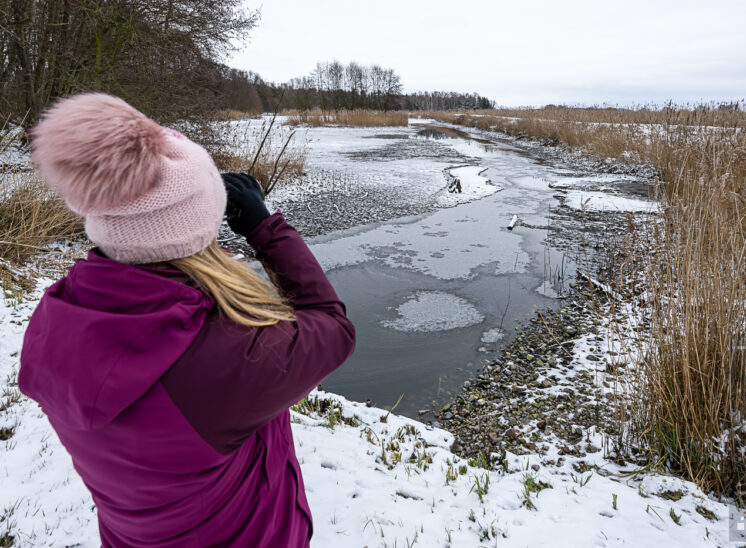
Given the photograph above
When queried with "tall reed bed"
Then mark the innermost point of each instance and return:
(354, 118)
(691, 376)
(694, 372)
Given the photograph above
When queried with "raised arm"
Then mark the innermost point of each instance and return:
(234, 379)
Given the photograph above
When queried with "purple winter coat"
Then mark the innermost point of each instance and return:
(176, 417)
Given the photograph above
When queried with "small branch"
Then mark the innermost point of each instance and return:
(386, 416)
(270, 183)
(597, 285)
(266, 134)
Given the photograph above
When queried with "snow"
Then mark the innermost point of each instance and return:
(493, 335)
(43, 500)
(380, 480)
(11, 153)
(394, 482)
(473, 186)
(392, 159)
(434, 311)
(602, 201)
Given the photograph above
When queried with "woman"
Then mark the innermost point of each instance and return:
(166, 367)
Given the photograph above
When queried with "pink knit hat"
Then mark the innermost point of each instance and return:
(148, 193)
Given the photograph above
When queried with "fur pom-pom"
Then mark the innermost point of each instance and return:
(97, 151)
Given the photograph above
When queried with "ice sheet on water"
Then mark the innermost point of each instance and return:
(441, 244)
(434, 311)
(474, 185)
(602, 201)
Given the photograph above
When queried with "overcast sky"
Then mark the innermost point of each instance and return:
(518, 52)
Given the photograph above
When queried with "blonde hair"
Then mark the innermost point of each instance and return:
(240, 293)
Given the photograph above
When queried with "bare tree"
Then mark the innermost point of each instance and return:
(160, 55)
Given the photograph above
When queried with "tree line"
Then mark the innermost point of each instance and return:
(334, 86)
(165, 58)
(162, 56)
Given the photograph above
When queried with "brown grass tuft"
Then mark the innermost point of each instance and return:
(233, 114)
(31, 215)
(355, 118)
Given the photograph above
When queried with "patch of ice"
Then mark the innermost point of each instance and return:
(473, 186)
(493, 335)
(467, 147)
(434, 311)
(601, 201)
(547, 289)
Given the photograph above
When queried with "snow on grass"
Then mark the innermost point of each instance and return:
(434, 311)
(43, 502)
(395, 483)
(379, 480)
(602, 201)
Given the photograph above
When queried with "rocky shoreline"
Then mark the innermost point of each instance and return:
(535, 394)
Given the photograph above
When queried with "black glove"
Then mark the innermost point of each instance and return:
(245, 209)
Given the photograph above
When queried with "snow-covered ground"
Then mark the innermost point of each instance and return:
(374, 479)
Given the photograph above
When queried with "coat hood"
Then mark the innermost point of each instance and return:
(101, 337)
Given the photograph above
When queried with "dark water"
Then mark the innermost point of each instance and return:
(425, 293)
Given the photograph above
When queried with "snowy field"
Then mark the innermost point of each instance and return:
(376, 479)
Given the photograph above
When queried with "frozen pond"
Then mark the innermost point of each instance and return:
(434, 295)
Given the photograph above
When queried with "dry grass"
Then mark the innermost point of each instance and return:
(694, 373)
(707, 115)
(31, 216)
(353, 118)
(623, 135)
(691, 378)
(233, 114)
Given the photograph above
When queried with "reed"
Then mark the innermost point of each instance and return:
(269, 151)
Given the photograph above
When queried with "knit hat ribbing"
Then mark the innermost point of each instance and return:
(148, 193)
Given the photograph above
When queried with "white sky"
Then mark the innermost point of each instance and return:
(521, 52)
